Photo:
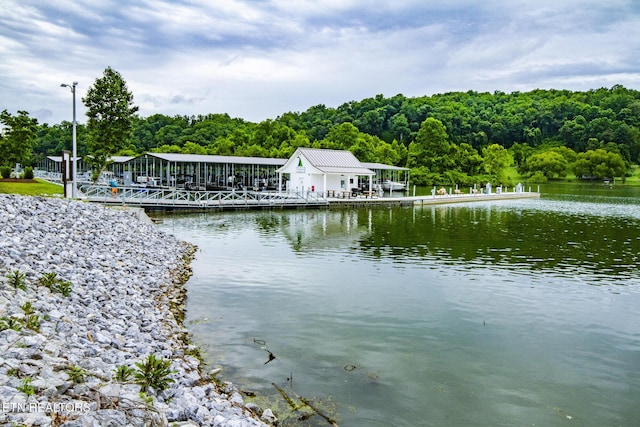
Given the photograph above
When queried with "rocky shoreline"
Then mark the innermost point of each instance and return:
(91, 334)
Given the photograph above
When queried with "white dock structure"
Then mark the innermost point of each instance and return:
(164, 198)
(309, 178)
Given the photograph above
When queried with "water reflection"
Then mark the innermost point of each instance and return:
(321, 230)
(595, 240)
(473, 314)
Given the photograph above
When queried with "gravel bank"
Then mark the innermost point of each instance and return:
(84, 291)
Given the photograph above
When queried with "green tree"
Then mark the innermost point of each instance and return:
(599, 163)
(110, 111)
(550, 163)
(193, 148)
(342, 136)
(567, 153)
(19, 137)
(496, 160)
(467, 159)
(168, 135)
(221, 147)
(399, 126)
(387, 153)
(431, 147)
(166, 148)
(520, 152)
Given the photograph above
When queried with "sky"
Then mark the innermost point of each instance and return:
(259, 59)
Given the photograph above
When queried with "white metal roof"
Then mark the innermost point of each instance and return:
(329, 161)
(334, 161)
(115, 159)
(206, 158)
(383, 166)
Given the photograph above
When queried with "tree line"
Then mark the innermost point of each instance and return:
(451, 138)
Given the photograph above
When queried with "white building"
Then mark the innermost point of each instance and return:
(324, 171)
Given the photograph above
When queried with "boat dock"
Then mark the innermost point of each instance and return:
(164, 198)
(178, 199)
(433, 200)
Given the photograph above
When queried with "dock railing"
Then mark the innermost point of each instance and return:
(170, 197)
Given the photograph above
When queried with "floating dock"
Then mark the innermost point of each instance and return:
(433, 200)
(174, 199)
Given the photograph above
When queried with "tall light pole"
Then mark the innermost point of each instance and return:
(74, 193)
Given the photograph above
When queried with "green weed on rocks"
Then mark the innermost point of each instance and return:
(17, 280)
(55, 284)
(26, 387)
(123, 373)
(153, 372)
(10, 323)
(77, 374)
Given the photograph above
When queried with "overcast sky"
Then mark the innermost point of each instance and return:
(258, 59)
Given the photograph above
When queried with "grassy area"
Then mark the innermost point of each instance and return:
(30, 188)
(513, 175)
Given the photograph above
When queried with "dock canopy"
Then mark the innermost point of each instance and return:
(200, 172)
(321, 170)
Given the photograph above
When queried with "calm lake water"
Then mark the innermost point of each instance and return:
(481, 314)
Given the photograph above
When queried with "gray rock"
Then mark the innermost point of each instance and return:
(120, 270)
(267, 416)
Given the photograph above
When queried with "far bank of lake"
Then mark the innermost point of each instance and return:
(515, 312)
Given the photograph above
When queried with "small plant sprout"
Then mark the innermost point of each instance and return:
(146, 398)
(17, 280)
(26, 387)
(123, 373)
(10, 323)
(153, 372)
(32, 321)
(55, 284)
(48, 280)
(64, 287)
(77, 374)
(27, 308)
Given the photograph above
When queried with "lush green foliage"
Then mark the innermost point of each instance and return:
(599, 163)
(496, 160)
(5, 171)
(28, 172)
(109, 110)
(16, 144)
(443, 137)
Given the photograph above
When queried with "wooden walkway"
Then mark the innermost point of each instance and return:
(159, 198)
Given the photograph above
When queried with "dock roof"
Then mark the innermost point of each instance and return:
(207, 158)
(383, 166)
(114, 159)
(334, 161)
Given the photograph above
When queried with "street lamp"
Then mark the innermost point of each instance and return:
(74, 193)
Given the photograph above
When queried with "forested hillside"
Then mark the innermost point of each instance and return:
(456, 137)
